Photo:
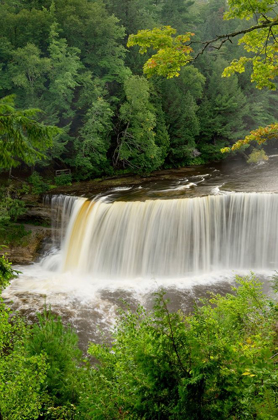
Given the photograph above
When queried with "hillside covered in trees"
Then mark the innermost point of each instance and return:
(70, 60)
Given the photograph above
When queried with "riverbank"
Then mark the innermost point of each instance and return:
(29, 249)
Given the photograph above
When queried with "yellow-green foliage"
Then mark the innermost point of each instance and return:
(260, 135)
(260, 42)
(173, 52)
(257, 156)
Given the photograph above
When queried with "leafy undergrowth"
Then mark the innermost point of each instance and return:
(218, 363)
(12, 234)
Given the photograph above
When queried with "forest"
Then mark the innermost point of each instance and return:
(70, 60)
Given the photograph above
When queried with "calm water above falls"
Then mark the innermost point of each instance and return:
(208, 225)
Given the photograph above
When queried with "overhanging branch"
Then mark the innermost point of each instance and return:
(227, 37)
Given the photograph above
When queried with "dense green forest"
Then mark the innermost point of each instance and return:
(70, 60)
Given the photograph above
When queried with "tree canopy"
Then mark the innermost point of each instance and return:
(70, 60)
(22, 138)
(258, 40)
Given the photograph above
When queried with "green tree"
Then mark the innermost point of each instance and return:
(22, 138)
(133, 14)
(136, 142)
(64, 75)
(178, 14)
(173, 52)
(180, 98)
(22, 23)
(28, 71)
(63, 81)
(96, 34)
(50, 70)
(94, 139)
(224, 109)
(162, 138)
(259, 39)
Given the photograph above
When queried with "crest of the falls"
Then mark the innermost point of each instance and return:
(167, 238)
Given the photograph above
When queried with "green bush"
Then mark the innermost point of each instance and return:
(196, 161)
(25, 189)
(6, 271)
(39, 364)
(13, 234)
(11, 209)
(219, 363)
(39, 186)
(211, 152)
(61, 180)
(59, 344)
(20, 375)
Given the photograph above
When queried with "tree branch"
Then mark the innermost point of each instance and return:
(172, 337)
(226, 37)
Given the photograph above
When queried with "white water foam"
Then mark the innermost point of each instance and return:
(136, 248)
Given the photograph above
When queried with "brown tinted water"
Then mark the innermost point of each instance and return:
(89, 300)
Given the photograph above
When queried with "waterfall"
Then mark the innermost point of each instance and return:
(168, 238)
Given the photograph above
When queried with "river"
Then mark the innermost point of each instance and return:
(189, 232)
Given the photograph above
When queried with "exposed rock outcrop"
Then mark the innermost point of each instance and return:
(27, 253)
(36, 211)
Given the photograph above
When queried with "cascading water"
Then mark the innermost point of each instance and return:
(167, 238)
(103, 252)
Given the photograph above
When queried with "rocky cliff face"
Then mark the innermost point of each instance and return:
(37, 221)
(29, 250)
(36, 211)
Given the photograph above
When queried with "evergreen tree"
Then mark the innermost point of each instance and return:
(224, 108)
(94, 140)
(136, 142)
(22, 138)
(178, 14)
(180, 103)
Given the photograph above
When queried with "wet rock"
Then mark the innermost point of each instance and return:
(27, 252)
(36, 212)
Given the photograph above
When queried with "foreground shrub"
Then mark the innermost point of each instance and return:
(21, 375)
(59, 345)
(40, 372)
(39, 364)
(219, 363)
